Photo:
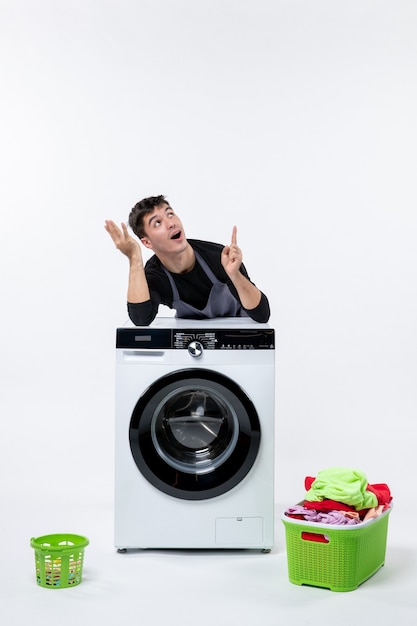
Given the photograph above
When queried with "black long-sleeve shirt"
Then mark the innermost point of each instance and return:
(193, 287)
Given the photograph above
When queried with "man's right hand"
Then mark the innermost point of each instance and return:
(123, 241)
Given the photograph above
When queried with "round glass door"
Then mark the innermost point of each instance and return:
(194, 434)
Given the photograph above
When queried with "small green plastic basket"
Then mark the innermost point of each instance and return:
(59, 560)
(339, 558)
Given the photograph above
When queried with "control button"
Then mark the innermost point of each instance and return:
(195, 348)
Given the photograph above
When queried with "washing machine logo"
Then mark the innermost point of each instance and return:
(195, 348)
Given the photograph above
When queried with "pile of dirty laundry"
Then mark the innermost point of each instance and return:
(341, 496)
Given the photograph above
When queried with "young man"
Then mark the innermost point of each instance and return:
(198, 279)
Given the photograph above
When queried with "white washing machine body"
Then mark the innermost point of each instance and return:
(194, 456)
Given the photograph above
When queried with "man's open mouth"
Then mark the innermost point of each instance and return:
(177, 235)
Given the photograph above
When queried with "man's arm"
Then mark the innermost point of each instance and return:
(231, 259)
(137, 290)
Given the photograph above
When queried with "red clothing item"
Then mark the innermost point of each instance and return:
(382, 492)
(323, 506)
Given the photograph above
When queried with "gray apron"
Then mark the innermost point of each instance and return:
(220, 303)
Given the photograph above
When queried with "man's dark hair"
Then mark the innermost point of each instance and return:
(140, 210)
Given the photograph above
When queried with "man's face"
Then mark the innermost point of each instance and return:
(163, 230)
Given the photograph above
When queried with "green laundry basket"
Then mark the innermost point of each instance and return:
(59, 560)
(339, 558)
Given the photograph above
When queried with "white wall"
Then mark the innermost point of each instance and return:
(294, 119)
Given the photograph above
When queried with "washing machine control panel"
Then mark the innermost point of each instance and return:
(189, 340)
(238, 339)
(195, 341)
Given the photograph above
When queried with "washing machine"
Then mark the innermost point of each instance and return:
(194, 455)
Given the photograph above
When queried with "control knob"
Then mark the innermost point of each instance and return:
(195, 348)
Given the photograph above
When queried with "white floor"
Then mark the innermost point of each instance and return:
(181, 587)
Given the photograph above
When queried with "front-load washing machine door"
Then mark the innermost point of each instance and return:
(194, 434)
